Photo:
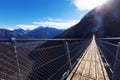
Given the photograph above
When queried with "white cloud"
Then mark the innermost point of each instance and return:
(88, 4)
(7, 27)
(56, 24)
(56, 19)
(50, 22)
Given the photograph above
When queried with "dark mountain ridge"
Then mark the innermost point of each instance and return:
(102, 21)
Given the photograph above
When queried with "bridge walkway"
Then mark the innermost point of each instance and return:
(90, 66)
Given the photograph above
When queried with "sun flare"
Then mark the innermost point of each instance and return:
(88, 4)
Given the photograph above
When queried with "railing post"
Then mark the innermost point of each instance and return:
(68, 55)
(13, 42)
(115, 64)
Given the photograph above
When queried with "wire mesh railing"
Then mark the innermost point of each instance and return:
(111, 57)
(26, 60)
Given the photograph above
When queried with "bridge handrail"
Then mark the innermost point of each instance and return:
(68, 62)
(114, 56)
(56, 46)
(58, 58)
(109, 43)
(13, 41)
(27, 40)
(114, 38)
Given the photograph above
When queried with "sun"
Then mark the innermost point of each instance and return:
(88, 4)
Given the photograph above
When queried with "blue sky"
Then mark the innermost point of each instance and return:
(29, 14)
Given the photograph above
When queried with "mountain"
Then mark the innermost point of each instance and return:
(104, 21)
(44, 32)
(40, 32)
(7, 34)
(20, 31)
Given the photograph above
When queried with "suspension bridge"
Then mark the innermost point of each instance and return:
(90, 65)
(75, 59)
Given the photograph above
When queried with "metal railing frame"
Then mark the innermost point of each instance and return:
(13, 42)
